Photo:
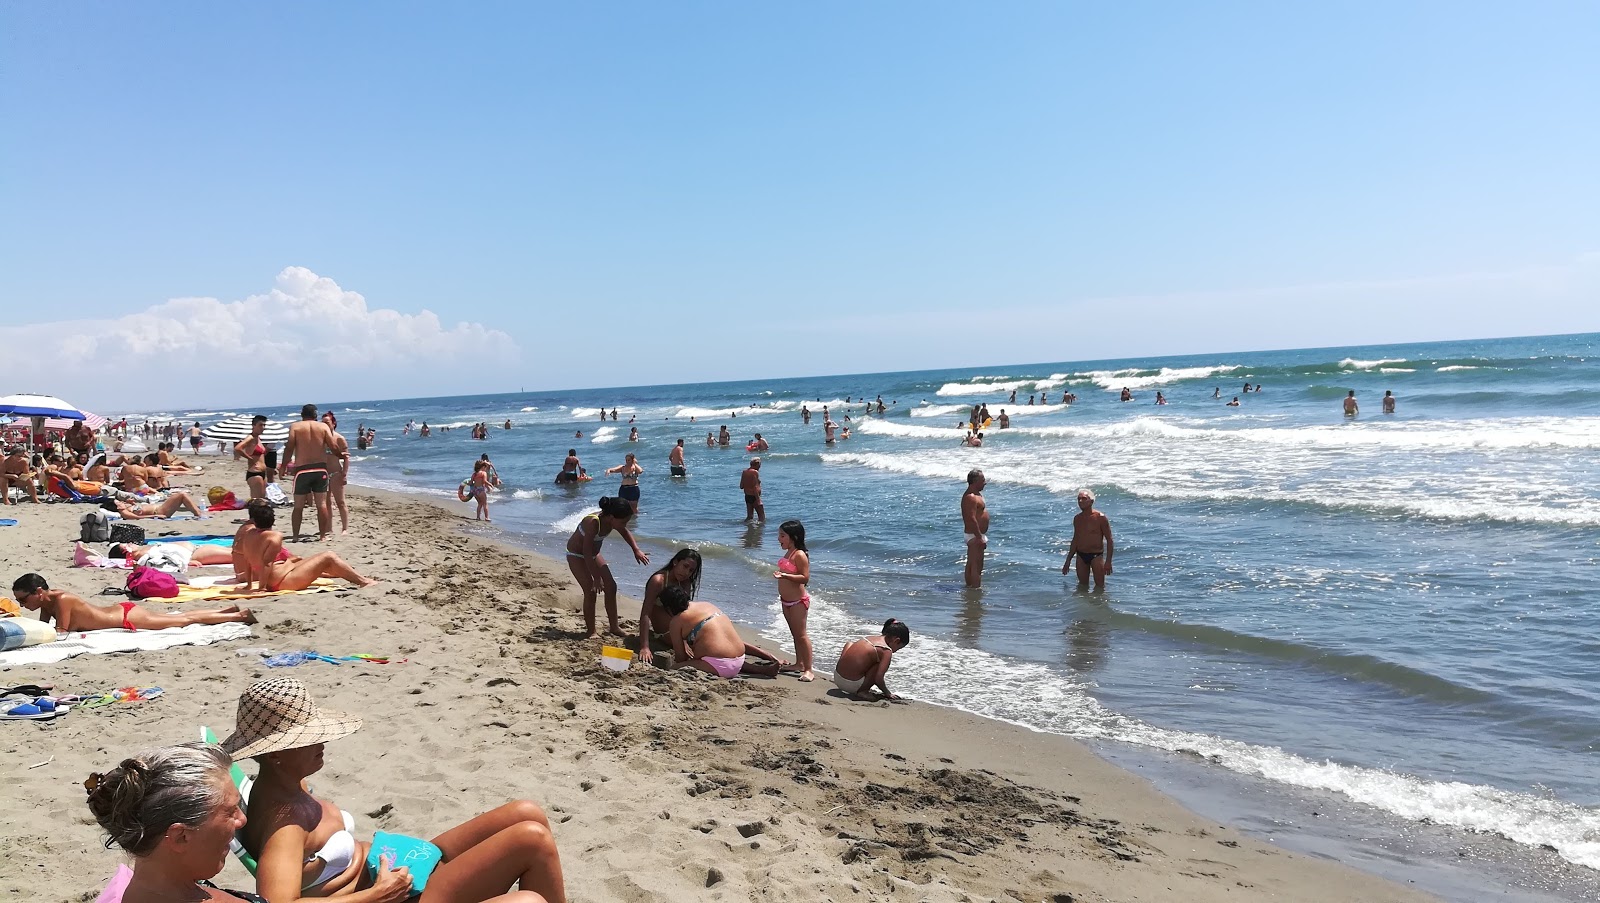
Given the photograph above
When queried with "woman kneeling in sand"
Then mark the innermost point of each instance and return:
(864, 663)
(703, 637)
(682, 571)
(72, 613)
(306, 847)
(174, 810)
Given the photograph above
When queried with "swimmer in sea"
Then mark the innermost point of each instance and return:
(750, 485)
(1351, 409)
(571, 468)
(864, 664)
(629, 490)
(1216, 392)
(1388, 401)
(1234, 403)
(975, 521)
(1091, 539)
(675, 460)
(1005, 419)
(1160, 399)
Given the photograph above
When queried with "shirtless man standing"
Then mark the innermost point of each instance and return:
(1091, 539)
(975, 521)
(675, 458)
(1351, 409)
(339, 473)
(750, 484)
(306, 456)
(1388, 401)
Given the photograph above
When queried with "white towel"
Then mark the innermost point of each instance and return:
(100, 642)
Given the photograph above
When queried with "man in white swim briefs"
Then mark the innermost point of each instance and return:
(975, 521)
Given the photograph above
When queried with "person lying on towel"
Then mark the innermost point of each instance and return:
(258, 557)
(167, 507)
(72, 613)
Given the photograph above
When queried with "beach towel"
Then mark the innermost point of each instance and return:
(199, 540)
(18, 633)
(118, 884)
(204, 589)
(101, 642)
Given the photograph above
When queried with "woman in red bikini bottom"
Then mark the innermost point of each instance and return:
(72, 613)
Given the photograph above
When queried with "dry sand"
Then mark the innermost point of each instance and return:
(661, 786)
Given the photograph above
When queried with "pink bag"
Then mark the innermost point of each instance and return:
(149, 583)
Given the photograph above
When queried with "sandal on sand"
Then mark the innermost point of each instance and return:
(41, 709)
(27, 690)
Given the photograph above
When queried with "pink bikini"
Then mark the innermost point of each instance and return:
(786, 565)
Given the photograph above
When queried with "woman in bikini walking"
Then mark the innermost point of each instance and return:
(590, 569)
(793, 576)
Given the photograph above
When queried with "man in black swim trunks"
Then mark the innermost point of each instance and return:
(750, 485)
(306, 455)
(1091, 543)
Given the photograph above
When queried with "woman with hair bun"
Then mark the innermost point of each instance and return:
(590, 569)
(175, 810)
(864, 663)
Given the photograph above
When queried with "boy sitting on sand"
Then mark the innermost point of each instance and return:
(72, 613)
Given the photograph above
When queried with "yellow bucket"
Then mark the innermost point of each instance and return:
(616, 658)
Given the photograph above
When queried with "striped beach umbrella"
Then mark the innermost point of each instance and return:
(235, 428)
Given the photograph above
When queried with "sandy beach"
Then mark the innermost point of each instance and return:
(661, 785)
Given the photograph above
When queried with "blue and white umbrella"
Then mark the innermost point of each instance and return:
(38, 406)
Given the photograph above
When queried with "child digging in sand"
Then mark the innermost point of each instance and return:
(72, 613)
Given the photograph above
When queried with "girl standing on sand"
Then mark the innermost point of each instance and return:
(589, 569)
(629, 490)
(793, 575)
(683, 571)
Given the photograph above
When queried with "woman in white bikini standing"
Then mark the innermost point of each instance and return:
(794, 576)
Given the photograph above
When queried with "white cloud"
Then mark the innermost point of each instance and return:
(305, 334)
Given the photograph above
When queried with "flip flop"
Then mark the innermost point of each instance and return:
(27, 690)
(29, 711)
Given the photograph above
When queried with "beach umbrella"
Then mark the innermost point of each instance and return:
(235, 428)
(92, 421)
(36, 408)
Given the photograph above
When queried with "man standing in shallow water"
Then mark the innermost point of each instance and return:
(750, 484)
(975, 522)
(1091, 539)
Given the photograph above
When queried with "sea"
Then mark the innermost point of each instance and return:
(1377, 633)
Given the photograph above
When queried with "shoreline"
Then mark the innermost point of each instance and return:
(658, 782)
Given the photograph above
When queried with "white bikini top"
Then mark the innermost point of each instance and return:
(337, 853)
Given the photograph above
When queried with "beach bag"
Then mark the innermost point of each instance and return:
(418, 855)
(275, 496)
(123, 532)
(149, 583)
(94, 526)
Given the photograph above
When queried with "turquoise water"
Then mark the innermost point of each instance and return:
(1400, 609)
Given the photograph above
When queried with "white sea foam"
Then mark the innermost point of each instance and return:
(1042, 698)
(1529, 432)
(594, 413)
(940, 410)
(1143, 379)
(604, 434)
(1351, 363)
(570, 522)
(527, 494)
(532, 408)
(358, 411)
(1004, 386)
(1397, 369)
(1453, 367)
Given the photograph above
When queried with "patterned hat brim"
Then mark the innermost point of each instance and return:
(325, 728)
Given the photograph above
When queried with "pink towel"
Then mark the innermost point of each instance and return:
(119, 883)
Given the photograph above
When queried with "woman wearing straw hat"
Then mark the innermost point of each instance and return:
(305, 847)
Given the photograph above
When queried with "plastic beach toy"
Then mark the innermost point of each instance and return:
(616, 658)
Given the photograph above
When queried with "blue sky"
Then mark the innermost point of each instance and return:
(640, 193)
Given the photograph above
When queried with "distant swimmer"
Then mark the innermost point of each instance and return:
(757, 444)
(1011, 400)
(750, 485)
(1246, 388)
(1217, 392)
(1258, 388)
(974, 439)
(613, 414)
(1351, 409)
(1030, 399)
(1091, 539)
(425, 431)
(578, 434)
(633, 434)
(1126, 395)
(975, 522)
(711, 440)
(828, 426)
(845, 434)
(1388, 401)
(724, 438)
(1234, 403)
(1005, 419)
(602, 413)
(571, 469)
(805, 415)
(507, 426)
(1160, 399)
(675, 459)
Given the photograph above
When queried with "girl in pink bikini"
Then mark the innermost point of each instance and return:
(702, 637)
(793, 575)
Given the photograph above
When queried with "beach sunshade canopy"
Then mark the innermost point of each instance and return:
(235, 428)
(92, 421)
(39, 406)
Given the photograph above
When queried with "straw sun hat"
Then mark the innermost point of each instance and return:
(278, 714)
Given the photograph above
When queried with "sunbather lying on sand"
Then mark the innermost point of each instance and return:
(258, 557)
(477, 861)
(703, 637)
(72, 613)
(167, 507)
